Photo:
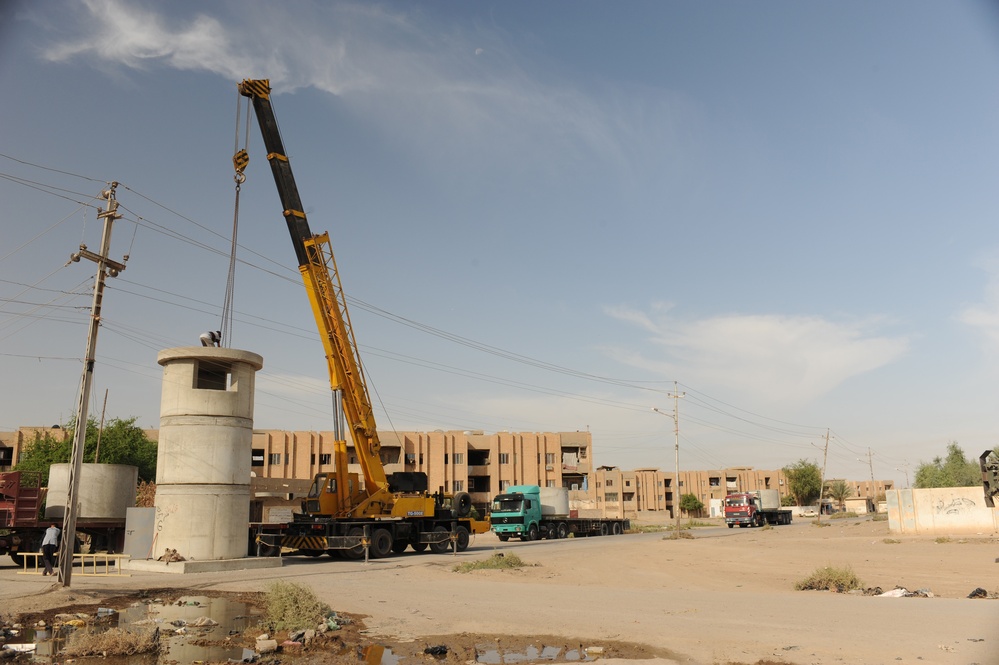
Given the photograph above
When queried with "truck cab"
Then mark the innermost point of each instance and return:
(743, 509)
(517, 513)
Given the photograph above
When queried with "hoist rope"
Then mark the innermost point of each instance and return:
(230, 286)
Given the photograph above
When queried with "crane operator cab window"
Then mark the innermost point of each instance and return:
(320, 483)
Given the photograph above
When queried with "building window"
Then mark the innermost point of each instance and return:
(714, 481)
(458, 486)
(549, 483)
(504, 484)
(275, 458)
(410, 458)
(627, 483)
(504, 458)
(611, 496)
(610, 482)
(212, 375)
(257, 457)
(459, 458)
(325, 458)
(549, 458)
(421, 459)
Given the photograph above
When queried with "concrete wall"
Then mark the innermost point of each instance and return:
(104, 491)
(941, 511)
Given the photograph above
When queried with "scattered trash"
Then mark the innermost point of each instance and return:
(203, 621)
(979, 593)
(439, 650)
(595, 651)
(901, 592)
(266, 646)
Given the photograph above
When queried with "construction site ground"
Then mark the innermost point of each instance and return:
(723, 596)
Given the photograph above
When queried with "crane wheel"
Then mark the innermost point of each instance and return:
(419, 547)
(443, 546)
(381, 543)
(461, 542)
(356, 552)
(399, 546)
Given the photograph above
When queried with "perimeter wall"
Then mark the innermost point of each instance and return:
(941, 511)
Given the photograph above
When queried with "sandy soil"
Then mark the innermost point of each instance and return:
(725, 596)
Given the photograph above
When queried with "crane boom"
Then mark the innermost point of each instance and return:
(322, 284)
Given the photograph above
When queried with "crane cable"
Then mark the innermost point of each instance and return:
(240, 159)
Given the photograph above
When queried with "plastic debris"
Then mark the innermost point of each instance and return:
(439, 650)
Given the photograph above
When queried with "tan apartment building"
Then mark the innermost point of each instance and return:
(284, 462)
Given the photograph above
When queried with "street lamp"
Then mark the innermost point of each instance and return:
(676, 448)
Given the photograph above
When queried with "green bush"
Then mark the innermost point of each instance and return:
(830, 579)
(294, 607)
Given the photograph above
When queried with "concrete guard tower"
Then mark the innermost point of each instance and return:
(204, 451)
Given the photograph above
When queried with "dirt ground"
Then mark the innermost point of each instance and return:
(725, 596)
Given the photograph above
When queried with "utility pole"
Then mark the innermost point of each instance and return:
(822, 481)
(105, 267)
(676, 433)
(870, 461)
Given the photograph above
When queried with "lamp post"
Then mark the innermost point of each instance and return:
(676, 448)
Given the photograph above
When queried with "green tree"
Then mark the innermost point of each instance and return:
(690, 504)
(955, 470)
(804, 481)
(839, 491)
(122, 442)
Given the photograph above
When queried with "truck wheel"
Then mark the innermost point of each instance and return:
(381, 543)
(503, 537)
(357, 551)
(562, 531)
(399, 546)
(532, 532)
(17, 559)
(731, 526)
(442, 546)
(603, 529)
(419, 547)
(462, 538)
(617, 529)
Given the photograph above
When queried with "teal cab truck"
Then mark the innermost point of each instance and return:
(530, 512)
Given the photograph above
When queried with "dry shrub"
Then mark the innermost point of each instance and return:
(830, 579)
(498, 561)
(294, 607)
(111, 642)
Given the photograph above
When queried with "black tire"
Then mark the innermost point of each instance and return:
(419, 547)
(617, 529)
(731, 526)
(311, 552)
(562, 531)
(503, 537)
(443, 546)
(381, 543)
(399, 546)
(17, 559)
(462, 503)
(532, 532)
(603, 529)
(356, 552)
(462, 538)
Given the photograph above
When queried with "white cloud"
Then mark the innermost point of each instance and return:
(790, 359)
(983, 317)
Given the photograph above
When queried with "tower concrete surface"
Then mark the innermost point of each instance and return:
(203, 457)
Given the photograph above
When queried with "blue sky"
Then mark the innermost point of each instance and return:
(544, 214)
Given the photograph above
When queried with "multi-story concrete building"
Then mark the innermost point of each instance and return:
(486, 464)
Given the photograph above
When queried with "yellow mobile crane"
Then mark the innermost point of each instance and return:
(388, 513)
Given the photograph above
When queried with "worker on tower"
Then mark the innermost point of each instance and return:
(211, 338)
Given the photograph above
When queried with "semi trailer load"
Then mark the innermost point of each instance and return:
(530, 512)
(755, 509)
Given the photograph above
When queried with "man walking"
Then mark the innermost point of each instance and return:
(50, 543)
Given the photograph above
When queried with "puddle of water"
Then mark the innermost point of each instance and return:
(376, 654)
(177, 627)
(489, 655)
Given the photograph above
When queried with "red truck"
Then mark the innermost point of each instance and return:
(22, 527)
(755, 509)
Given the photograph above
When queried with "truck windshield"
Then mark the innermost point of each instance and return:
(507, 503)
(739, 501)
